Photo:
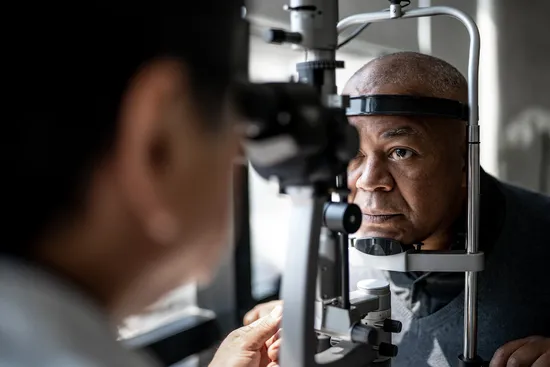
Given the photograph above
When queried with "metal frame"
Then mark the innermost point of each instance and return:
(450, 261)
(298, 292)
(243, 249)
(301, 268)
(470, 299)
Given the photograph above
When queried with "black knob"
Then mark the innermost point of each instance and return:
(275, 36)
(323, 343)
(279, 36)
(365, 334)
(387, 350)
(392, 326)
(342, 217)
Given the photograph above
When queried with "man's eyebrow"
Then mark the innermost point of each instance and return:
(401, 131)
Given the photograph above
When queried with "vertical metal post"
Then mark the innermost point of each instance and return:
(301, 270)
(470, 290)
(320, 42)
(243, 249)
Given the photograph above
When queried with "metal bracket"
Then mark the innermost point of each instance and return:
(452, 261)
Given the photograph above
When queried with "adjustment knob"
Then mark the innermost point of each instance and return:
(279, 36)
(342, 217)
(387, 350)
(392, 326)
(323, 343)
(365, 334)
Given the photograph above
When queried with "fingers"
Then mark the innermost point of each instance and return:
(273, 350)
(543, 361)
(528, 353)
(523, 352)
(501, 356)
(251, 316)
(255, 335)
(260, 311)
(274, 338)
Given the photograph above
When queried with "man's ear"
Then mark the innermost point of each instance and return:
(144, 148)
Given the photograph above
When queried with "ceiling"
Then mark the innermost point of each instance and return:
(449, 38)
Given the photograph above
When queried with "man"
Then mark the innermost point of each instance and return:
(117, 154)
(409, 179)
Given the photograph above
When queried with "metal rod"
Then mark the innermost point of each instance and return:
(243, 250)
(470, 285)
(344, 255)
(300, 273)
(320, 42)
(319, 37)
(470, 288)
(329, 75)
(343, 243)
(359, 19)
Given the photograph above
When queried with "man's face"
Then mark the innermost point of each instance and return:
(406, 178)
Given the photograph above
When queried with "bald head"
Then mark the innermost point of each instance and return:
(409, 73)
(417, 74)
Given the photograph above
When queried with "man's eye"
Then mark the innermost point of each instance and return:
(401, 153)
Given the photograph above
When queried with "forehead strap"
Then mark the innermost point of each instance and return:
(407, 105)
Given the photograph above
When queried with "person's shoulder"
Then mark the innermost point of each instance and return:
(26, 348)
(531, 204)
(30, 357)
(44, 324)
(525, 195)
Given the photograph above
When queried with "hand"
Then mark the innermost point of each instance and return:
(273, 345)
(529, 352)
(246, 346)
(260, 311)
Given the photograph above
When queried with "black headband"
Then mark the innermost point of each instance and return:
(405, 105)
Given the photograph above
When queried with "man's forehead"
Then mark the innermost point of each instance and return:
(367, 86)
(366, 80)
(391, 126)
(359, 85)
(383, 77)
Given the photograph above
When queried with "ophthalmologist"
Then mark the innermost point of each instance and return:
(117, 151)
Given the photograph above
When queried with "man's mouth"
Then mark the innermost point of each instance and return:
(379, 218)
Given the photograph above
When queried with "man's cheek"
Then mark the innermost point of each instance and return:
(353, 176)
(351, 196)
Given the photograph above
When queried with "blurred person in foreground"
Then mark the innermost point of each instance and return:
(409, 179)
(117, 157)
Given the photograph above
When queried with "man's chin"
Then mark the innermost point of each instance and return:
(378, 232)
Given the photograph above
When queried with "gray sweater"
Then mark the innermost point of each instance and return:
(514, 293)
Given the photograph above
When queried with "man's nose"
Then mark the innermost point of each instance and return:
(374, 175)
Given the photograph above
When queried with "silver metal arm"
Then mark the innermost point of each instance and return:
(300, 273)
(411, 261)
(298, 292)
(470, 298)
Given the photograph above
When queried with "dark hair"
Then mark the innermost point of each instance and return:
(66, 73)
